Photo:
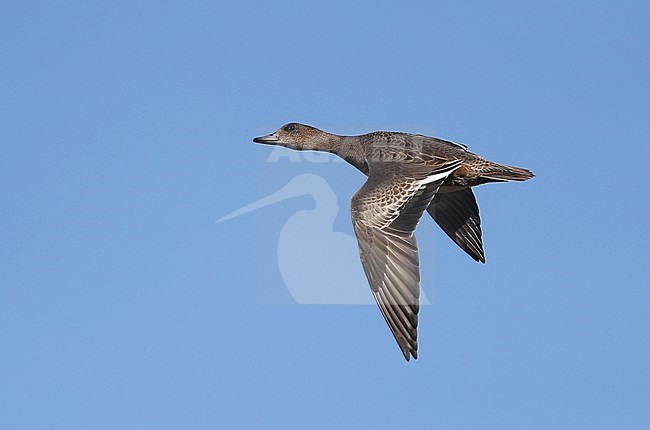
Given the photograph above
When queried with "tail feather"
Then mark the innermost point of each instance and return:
(501, 172)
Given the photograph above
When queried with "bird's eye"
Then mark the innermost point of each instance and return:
(290, 127)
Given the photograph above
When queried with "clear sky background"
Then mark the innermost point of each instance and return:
(125, 132)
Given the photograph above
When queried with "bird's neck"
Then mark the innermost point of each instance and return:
(350, 149)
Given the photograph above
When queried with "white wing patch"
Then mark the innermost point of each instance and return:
(380, 215)
(436, 176)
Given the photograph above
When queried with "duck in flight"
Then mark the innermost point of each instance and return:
(407, 174)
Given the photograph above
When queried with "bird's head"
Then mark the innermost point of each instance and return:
(297, 136)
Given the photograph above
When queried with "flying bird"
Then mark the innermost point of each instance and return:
(407, 174)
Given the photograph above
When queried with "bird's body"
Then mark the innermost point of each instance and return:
(407, 174)
(414, 148)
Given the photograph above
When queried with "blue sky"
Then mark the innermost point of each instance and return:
(125, 133)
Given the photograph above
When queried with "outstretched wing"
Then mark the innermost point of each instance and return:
(385, 211)
(457, 215)
(455, 212)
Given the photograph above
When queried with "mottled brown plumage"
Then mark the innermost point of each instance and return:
(407, 174)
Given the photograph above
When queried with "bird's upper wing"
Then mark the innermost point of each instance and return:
(455, 212)
(385, 211)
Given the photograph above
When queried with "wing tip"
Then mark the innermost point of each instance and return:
(464, 242)
(479, 258)
(410, 353)
(409, 349)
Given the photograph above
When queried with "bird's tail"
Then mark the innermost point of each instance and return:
(501, 172)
